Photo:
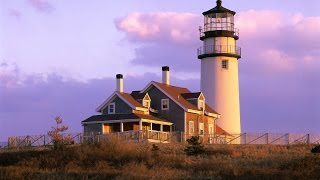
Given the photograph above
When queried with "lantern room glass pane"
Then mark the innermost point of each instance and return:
(219, 21)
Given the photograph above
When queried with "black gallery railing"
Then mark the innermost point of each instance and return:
(218, 49)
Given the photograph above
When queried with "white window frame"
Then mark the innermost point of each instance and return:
(165, 102)
(225, 64)
(201, 128)
(146, 103)
(114, 108)
(211, 128)
(191, 127)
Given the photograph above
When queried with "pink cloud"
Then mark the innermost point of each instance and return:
(259, 22)
(171, 26)
(277, 61)
(41, 5)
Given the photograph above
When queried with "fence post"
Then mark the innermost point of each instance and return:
(308, 138)
(267, 138)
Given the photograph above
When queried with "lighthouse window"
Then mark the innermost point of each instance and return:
(225, 64)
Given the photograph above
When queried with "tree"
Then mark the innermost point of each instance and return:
(57, 134)
(194, 147)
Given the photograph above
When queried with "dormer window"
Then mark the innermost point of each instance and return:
(146, 103)
(201, 104)
(112, 108)
(164, 104)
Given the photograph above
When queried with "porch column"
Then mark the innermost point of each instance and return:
(140, 125)
(151, 126)
(171, 128)
(161, 127)
(121, 127)
(102, 129)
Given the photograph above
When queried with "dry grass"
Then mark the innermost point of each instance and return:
(120, 160)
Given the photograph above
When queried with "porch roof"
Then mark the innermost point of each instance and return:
(112, 117)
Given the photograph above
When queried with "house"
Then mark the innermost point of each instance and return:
(158, 112)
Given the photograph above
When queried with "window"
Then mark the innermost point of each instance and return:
(164, 104)
(201, 128)
(225, 64)
(111, 108)
(201, 104)
(191, 127)
(146, 103)
(211, 131)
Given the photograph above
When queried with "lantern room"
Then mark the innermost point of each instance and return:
(219, 21)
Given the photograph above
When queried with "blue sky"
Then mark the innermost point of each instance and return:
(60, 58)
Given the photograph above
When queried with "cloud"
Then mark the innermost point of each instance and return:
(149, 27)
(41, 5)
(168, 38)
(272, 40)
(15, 13)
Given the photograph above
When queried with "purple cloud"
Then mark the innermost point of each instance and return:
(15, 13)
(272, 41)
(41, 5)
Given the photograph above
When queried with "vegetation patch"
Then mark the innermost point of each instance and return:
(115, 159)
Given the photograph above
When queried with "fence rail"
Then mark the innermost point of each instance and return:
(167, 137)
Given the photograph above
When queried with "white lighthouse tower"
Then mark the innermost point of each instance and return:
(219, 66)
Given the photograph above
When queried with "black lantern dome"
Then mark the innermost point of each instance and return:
(219, 9)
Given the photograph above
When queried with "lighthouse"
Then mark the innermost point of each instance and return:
(219, 57)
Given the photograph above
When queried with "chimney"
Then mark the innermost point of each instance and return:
(165, 75)
(119, 83)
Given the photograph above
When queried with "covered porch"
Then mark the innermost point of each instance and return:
(138, 130)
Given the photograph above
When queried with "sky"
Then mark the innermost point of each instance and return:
(60, 58)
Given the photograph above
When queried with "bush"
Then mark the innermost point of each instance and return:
(195, 146)
(316, 149)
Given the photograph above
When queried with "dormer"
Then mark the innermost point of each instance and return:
(142, 98)
(197, 99)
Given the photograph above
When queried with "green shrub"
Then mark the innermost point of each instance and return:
(316, 149)
(194, 147)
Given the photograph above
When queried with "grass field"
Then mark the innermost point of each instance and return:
(119, 160)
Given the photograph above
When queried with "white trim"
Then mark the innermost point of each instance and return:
(201, 94)
(140, 125)
(129, 120)
(102, 128)
(141, 109)
(194, 111)
(164, 92)
(211, 126)
(111, 121)
(211, 114)
(106, 102)
(201, 129)
(144, 103)
(156, 122)
(114, 108)
(121, 126)
(201, 102)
